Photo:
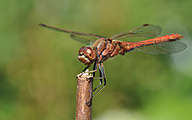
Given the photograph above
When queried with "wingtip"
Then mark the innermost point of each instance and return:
(146, 24)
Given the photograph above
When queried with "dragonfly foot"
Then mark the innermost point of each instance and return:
(80, 74)
(89, 103)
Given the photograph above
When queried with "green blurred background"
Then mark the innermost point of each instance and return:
(38, 66)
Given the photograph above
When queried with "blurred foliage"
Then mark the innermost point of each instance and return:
(38, 66)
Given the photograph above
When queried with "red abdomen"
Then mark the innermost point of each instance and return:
(159, 44)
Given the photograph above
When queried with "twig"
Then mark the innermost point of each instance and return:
(84, 93)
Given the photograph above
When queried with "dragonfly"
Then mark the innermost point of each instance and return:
(101, 48)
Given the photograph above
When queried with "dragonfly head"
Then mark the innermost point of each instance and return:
(86, 55)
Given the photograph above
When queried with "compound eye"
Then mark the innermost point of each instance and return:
(88, 51)
(81, 51)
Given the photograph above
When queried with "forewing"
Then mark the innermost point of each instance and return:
(78, 36)
(146, 30)
(83, 39)
(163, 48)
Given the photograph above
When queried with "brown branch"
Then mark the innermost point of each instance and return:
(84, 93)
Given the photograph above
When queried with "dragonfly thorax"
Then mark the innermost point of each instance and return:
(86, 55)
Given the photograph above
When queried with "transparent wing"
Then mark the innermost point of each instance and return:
(163, 48)
(83, 39)
(78, 36)
(146, 30)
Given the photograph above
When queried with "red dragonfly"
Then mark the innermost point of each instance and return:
(101, 48)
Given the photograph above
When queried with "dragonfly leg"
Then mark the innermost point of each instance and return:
(102, 76)
(84, 71)
(94, 68)
(85, 68)
(98, 78)
(92, 71)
